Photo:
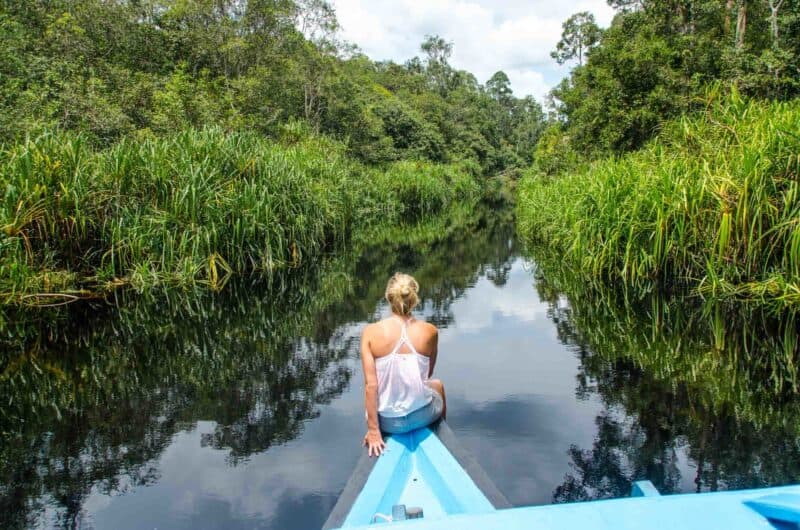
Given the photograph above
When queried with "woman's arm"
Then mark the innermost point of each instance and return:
(373, 439)
(434, 341)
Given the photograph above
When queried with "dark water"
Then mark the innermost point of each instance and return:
(244, 409)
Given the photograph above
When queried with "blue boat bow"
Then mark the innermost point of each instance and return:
(427, 469)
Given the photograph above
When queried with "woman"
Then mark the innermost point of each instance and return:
(398, 355)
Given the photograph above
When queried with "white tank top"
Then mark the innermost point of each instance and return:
(401, 380)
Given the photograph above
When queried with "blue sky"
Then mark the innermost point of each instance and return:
(515, 36)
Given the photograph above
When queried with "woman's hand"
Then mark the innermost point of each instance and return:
(373, 441)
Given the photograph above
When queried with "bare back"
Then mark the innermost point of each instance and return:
(385, 348)
(383, 336)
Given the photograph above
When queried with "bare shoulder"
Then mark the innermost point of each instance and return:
(429, 329)
(369, 330)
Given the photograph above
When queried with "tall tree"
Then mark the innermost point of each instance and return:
(729, 5)
(438, 53)
(499, 87)
(580, 33)
(437, 49)
(626, 5)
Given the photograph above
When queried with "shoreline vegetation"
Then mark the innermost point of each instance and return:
(710, 205)
(194, 207)
(176, 143)
(670, 159)
(736, 358)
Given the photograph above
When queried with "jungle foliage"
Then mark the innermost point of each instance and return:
(163, 141)
(144, 68)
(194, 207)
(711, 205)
(655, 61)
(672, 155)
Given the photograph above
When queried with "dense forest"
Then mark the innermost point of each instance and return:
(112, 113)
(148, 142)
(671, 160)
(143, 68)
(656, 61)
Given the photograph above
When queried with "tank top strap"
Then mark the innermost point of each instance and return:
(404, 336)
(404, 339)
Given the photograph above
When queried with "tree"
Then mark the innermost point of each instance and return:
(614, 103)
(499, 87)
(529, 123)
(439, 71)
(437, 49)
(580, 33)
(741, 24)
(626, 5)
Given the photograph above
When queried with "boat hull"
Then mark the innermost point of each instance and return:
(427, 469)
(455, 493)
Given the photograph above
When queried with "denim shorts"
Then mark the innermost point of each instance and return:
(419, 418)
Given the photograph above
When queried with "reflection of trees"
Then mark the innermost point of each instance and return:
(716, 383)
(94, 395)
(446, 255)
(601, 471)
(247, 426)
(638, 435)
(129, 383)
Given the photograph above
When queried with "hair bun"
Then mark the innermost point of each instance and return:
(401, 293)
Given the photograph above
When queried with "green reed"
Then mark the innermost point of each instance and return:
(739, 358)
(191, 208)
(712, 204)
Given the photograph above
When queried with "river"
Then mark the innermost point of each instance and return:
(244, 409)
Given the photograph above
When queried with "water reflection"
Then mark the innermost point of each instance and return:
(103, 400)
(244, 409)
(696, 396)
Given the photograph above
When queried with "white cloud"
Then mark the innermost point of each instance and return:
(515, 36)
(529, 82)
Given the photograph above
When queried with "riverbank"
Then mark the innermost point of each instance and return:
(193, 208)
(711, 205)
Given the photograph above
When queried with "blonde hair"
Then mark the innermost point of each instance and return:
(401, 293)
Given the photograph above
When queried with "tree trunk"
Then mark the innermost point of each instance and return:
(741, 24)
(774, 7)
(728, 10)
(680, 14)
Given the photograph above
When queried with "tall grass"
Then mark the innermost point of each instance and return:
(193, 207)
(736, 357)
(712, 203)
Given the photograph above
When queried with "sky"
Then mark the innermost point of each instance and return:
(515, 36)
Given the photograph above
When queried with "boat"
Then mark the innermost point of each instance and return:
(425, 469)
(425, 480)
